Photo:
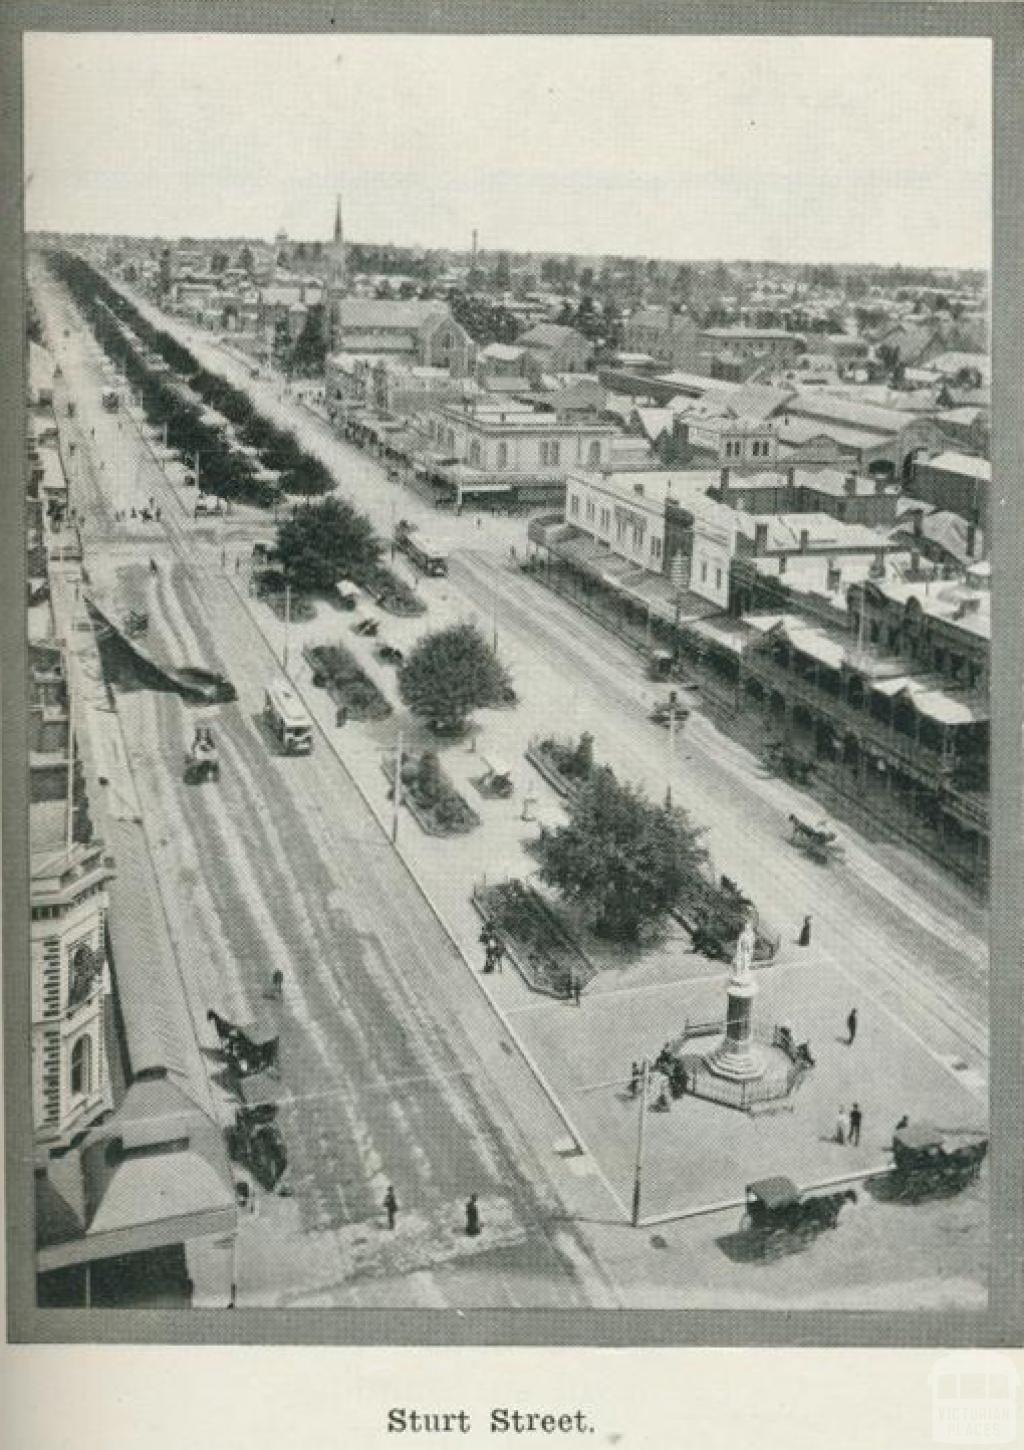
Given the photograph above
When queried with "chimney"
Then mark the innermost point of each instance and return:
(918, 524)
(805, 539)
(850, 485)
(972, 534)
(791, 478)
(760, 539)
(724, 482)
(915, 563)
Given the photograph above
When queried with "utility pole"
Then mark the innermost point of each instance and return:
(287, 621)
(638, 1171)
(397, 792)
(671, 751)
(494, 613)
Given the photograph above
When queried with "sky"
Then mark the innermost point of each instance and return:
(804, 149)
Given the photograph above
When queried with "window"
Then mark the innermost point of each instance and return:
(718, 578)
(620, 530)
(590, 508)
(574, 506)
(656, 549)
(474, 453)
(606, 520)
(81, 1067)
(594, 454)
(704, 571)
(502, 455)
(554, 451)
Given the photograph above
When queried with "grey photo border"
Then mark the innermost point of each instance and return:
(1001, 1322)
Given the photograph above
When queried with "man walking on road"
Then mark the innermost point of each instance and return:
(391, 1206)
(472, 1216)
(851, 1027)
(804, 939)
(842, 1126)
(855, 1119)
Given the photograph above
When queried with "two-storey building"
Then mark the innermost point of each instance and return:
(508, 451)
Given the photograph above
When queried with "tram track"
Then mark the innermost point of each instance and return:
(596, 669)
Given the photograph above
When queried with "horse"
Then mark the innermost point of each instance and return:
(823, 1211)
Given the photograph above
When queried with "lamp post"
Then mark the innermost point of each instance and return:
(287, 621)
(638, 1169)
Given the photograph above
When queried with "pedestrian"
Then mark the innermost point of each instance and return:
(804, 939)
(855, 1120)
(472, 1216)
(223, 557)
(391, 1206)
(851, 1027)
(341, 718)
(903, 1123)
(156, 515)
(635, 1076)
(842, 1125)
(577, 991)
(478, 520)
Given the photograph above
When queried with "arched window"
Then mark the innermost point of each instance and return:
(81, 1067)
(595, 454)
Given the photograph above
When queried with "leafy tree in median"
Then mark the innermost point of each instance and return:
(325, 542)
(449, 673)
(621, 857)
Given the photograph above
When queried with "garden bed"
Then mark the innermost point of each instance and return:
(713, 912)
(541, 948)
(558, 761)
(388, 590)
(338, 671)
(438, 807)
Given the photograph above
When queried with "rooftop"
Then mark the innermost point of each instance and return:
(964, 464)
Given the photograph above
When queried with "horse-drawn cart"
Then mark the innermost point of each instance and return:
(780, 1220)
(255, 1141)
(929, 1160)
(202, 762)
(818, 842)
(249, 1049)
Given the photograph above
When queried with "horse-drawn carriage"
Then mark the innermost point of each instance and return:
(818, 842)
(255, 1141)
(247, 1050)
(659, 664)
(930, 1160)
(202, 762)
(665, 711)
(781, 1220)
(136, 621)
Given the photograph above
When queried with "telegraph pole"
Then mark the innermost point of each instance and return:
(641, 1121)
(287, 621)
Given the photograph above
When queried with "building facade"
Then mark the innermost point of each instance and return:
(70, 984)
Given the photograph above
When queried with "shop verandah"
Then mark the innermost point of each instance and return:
(897, 752)
(903, 750)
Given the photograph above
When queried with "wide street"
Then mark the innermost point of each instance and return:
(396, 1068)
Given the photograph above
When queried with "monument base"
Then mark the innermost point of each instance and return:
(737, 1061)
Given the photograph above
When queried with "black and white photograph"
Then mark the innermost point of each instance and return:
(508, 612)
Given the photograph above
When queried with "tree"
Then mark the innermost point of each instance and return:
(449, 673)
(310, 351)
(246, 259)
(621, 857)
(325, 542)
